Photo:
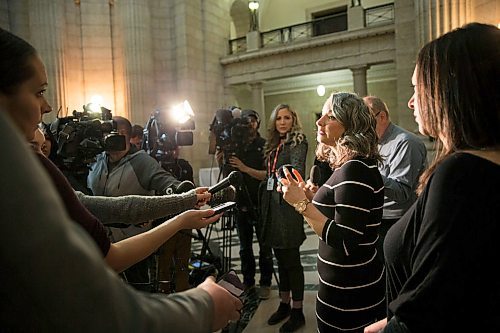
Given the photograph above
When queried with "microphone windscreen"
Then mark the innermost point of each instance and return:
(184, 187)
(235, 178)
(315, 175)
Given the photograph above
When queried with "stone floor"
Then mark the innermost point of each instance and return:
(223, 242)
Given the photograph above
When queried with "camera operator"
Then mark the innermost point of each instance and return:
(136, 136)
(249, 159)
(127, 172)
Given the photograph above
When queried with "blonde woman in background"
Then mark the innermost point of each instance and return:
(283, 227)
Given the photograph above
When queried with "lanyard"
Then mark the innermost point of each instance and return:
(271, 171)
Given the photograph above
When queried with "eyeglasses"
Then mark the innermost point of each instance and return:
(376, 114)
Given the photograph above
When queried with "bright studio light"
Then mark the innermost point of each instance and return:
(321, 90)
(95, 104)
(182, 112)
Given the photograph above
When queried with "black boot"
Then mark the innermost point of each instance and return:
(282, 312)
(295, 322)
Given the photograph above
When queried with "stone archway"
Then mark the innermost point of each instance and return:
(240, 17)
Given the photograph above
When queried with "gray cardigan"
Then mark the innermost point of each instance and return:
(136, 209)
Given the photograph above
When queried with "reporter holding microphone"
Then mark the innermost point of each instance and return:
(57, 279)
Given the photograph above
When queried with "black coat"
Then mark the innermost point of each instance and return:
(282, 226)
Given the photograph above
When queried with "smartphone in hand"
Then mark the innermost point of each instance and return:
(281, 172)
(223, 207)
(232, 283)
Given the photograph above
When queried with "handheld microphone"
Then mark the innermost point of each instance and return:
(232, 179)
(315, 175)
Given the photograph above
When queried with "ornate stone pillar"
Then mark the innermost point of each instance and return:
(437, 17)
(359, 80)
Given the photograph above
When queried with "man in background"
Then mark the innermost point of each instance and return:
(404, 158)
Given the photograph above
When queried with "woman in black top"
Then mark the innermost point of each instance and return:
(442, 255)
(346, 214)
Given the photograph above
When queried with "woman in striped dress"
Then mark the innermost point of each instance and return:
(345, 213)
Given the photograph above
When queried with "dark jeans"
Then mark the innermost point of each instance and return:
(245, 226)
(291, 272)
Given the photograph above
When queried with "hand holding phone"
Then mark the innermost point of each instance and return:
(232, 283)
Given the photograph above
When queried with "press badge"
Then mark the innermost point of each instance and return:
(270, 183)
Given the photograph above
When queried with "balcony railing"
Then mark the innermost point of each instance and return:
(383, 14)
(237, 45)
(378, 15)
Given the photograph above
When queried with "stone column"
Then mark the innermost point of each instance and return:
(258, 103)
(406, 42)
(47, 36)
(135, 23)
(437, 17)
(359, 80)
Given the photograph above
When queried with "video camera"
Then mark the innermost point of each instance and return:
(162, 135)
(230, 132)
(82, 136)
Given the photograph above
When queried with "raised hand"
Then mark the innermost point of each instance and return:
(293, 190)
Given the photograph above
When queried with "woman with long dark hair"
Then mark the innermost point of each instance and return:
(442, 255)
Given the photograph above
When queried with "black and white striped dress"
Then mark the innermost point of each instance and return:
(351, 291)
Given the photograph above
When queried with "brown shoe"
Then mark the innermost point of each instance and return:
(264, 292)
